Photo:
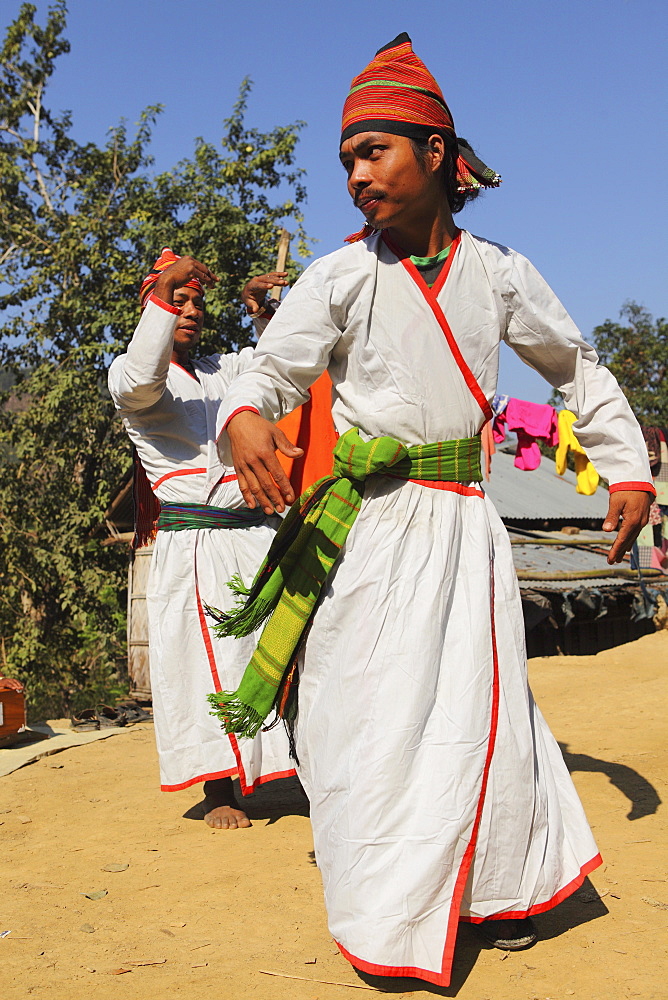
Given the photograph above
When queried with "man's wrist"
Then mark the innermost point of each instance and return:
(240, 409)
(164, 289)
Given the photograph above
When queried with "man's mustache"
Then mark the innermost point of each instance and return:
(367, 196)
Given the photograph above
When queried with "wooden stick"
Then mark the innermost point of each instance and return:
(327, 982)
(283, 247)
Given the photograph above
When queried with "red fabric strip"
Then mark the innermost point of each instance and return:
(185, 370)
(239, 409)
(558, 897)
(201, 777)
(643, 487)
(430, 295)
(176, 472)
(216, 679)
(163, 305)
(465, 491)
(230, 773)
(460, 884)
(443, 978)
(439, 980)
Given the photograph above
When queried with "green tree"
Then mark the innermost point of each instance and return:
(636, 352)
(79, 226)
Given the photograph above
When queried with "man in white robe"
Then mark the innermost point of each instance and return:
(437, 792)
(168, 404)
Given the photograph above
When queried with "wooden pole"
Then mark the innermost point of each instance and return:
(283, 247)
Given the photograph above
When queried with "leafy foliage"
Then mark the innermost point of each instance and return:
(79, 226)
(636, 352)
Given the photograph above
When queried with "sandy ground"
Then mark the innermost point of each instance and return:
(198, 913)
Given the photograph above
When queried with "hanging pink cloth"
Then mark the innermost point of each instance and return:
(529, 421)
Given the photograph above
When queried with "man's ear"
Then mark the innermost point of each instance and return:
(437, 151)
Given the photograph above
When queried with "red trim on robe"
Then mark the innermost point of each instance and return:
(443, 977)
(246, 789)
(216, 679)
(433, 977)
(215, 775)
(431, 295)
(558, 897)
(642, 487)
(185, 371)
(163, 305)
(460, 884)
(461, 488)
(239, 409)
(176, 472)
(230, 773)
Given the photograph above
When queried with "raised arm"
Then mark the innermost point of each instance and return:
(137, 380)
(544, 336)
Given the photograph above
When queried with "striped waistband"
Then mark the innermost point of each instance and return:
(190, 516)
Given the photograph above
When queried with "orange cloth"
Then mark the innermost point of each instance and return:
(488, 448)
(310, 427)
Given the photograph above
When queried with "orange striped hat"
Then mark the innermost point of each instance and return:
(166, 259)
(396, 93)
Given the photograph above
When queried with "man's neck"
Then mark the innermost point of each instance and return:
(425, 237)
(181, 358)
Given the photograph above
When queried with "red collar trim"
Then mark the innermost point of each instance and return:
(405, 259)
(190, 374)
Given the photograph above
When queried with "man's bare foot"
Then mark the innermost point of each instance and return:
(227, 818)
(221, 809)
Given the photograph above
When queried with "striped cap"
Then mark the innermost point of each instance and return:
(396, 93)
(166, 259)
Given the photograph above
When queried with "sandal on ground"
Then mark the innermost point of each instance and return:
(85, 721)
(134, 712)
(110, 718)
(508, 935)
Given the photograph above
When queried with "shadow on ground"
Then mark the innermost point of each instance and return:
(283, 797)
(643, 796)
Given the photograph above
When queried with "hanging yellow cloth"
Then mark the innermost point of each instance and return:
(585, 473)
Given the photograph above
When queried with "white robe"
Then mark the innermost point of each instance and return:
(437, 791)
(170, 417)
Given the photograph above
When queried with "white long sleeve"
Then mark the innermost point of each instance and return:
(138, 379)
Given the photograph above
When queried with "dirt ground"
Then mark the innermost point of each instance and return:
(198, 913)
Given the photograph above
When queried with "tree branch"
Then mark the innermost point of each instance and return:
(36, 110)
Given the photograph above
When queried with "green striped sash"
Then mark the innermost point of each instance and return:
(303, 553)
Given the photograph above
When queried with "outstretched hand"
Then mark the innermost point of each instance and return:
(255, 291)
(628, 513)
(262, 481)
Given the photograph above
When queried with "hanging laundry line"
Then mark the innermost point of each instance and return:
(532, 422)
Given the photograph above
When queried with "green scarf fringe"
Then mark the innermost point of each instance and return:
(234, 715)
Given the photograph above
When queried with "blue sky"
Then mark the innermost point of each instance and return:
(566, 100)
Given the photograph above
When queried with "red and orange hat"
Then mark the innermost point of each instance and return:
(166, 259)
(396, 93)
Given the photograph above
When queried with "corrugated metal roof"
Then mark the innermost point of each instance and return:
(573, 554)
(540, 495)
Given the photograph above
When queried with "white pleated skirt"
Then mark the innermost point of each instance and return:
(437, 791)
(188, 570)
